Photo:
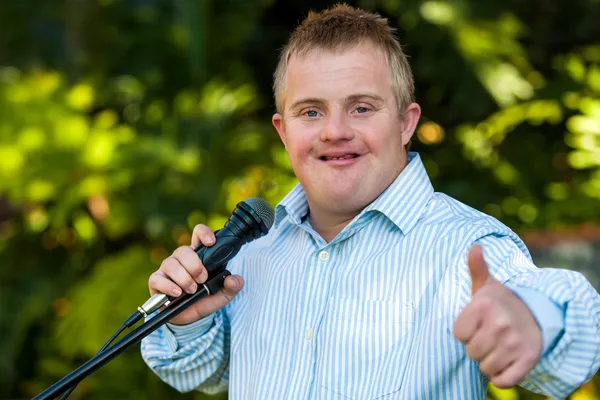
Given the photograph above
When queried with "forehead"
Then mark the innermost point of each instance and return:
(331, 74)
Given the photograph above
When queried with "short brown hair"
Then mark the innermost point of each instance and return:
(342, 27)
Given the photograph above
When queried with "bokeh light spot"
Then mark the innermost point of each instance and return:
(431, 133)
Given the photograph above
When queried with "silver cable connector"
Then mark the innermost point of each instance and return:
(154, 303)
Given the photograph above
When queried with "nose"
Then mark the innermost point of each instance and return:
(337, 127)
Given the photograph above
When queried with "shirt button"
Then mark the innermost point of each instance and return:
(308, 335)
(324, 256)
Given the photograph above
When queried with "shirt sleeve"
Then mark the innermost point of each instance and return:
(189, 357)
(548, 315)
(575, 356)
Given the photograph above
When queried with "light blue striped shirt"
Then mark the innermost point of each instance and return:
(370, 314)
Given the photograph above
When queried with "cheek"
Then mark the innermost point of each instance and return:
(300, 143)
(388, 143)
(298, 154)
(298, 150)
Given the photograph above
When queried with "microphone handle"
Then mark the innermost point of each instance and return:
(227, 245)
(211, 286)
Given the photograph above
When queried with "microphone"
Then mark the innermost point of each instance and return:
(251, 219)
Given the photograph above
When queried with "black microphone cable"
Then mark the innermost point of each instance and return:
(104, 347)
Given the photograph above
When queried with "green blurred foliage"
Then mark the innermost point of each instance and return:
(124, 123)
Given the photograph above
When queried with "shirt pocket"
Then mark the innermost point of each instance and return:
(364, 346)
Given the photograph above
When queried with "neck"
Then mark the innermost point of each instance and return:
(328, 224)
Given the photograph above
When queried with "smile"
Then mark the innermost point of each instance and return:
(344, 157)
(341, 161)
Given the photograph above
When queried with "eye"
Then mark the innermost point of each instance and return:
(362, 110)
(311, 113)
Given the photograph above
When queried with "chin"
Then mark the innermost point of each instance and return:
(347, 202)
(348, 196)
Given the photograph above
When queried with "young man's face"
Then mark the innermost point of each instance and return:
(341, 127)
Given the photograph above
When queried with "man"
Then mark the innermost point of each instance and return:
(370, 285)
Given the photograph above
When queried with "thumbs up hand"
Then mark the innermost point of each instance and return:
(498, 329)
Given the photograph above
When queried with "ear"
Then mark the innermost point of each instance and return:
(412, 113)
(280, 127)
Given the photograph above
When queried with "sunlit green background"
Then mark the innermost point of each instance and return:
(123, 123)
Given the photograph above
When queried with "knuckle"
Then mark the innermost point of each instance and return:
(165, 263)
(181, 251)
(512, 342)
(188, 258)
(471, 350)
(502, 323)
(168, 265)
(485, 367)
(459, 333)
(485, 304)
(193, 266)
(159, 282)
(153, 280)
(459, 324)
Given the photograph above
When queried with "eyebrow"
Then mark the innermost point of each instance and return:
(359, 96)
(310, 100)
(349, 99)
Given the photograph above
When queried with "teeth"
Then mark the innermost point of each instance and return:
(341, 158)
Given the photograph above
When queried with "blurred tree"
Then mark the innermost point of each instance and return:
(124, 123)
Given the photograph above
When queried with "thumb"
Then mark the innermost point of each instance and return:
(232, 285)
(480, 274)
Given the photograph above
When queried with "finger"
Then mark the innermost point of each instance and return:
(202, 234)
(477, 268)
(232, 285)
(470, 319)
(176, 272)
(511, 375)
(496, 362)
(525, 360)
(159, 283)
(482, 343)
(191, 262)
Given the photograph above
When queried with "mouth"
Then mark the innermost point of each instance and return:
(341, 160)
(348, 156)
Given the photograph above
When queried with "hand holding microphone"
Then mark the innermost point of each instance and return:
(190, 266)
(183, 271)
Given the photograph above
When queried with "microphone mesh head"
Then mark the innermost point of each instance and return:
(263, 209)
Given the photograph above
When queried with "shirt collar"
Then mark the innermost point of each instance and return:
(294, 205)
(402, 202)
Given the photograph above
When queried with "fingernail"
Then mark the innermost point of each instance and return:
(208, 239)
(191, 288)
(202, 277)
(235, 283)
(176, 292)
